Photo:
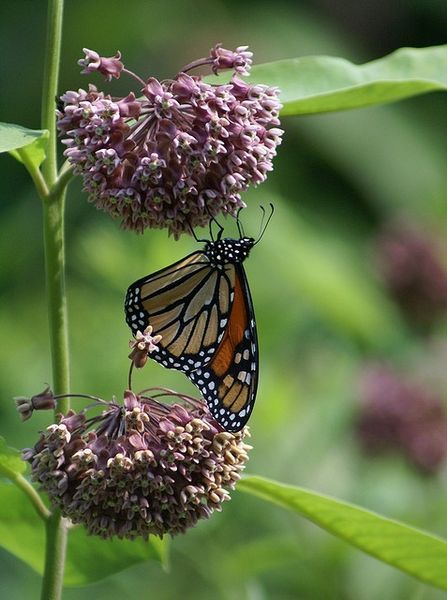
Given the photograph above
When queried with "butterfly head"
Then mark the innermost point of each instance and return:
(229, 250)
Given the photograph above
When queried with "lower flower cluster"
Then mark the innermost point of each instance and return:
(139, 469)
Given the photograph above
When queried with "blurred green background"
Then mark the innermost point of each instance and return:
(323, 311)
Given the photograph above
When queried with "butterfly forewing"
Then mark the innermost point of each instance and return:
(188, 304)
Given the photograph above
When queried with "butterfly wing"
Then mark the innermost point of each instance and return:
(188, 304)
(229, 381)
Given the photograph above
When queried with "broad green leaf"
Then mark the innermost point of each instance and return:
(10, 461)
(89, 558)
(316, 84)
(411, 550)
(28, 146)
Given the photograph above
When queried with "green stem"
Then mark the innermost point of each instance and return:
(64, 177)
(54, 557)
(39, 182)
(33, 496)
(50, 83)
(53, 218)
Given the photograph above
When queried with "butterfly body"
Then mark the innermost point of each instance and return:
(228, 251)
(202, 308)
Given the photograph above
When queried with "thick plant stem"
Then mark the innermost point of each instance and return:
(56, 544)
(57, 305)
(53, 217)
(49, 91)
(56, 530)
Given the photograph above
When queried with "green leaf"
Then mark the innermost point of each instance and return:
(22, 533)
(11, 462)
(28, 146)
(411, 550)
(316, 84)
(89, 558)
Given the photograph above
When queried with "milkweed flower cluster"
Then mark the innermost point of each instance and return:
(178, 155)
(402, 415)
(138, 469)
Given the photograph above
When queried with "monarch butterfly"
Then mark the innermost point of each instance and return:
(202, 308)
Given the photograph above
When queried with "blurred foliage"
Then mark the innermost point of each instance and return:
(322, 310)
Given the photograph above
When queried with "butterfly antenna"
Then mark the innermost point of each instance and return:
(213, 218)
(221, 229)
(193, 233)
(240, 227)
(261, 225)
(264, 227)
(210, 222)
(210, 228)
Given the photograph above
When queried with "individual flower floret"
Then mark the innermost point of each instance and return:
(181, 152)
(240, 60)
(144, 468)
(110, 67)
(43, 401)
(142, 345)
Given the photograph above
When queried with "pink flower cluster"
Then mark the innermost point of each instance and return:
(178, 155)
(145, 468)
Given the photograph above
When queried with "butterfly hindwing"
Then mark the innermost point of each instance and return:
(229, 381)
(188, 304)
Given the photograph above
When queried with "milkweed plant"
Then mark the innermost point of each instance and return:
(175, 154)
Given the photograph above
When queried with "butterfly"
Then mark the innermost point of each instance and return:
(202, 308)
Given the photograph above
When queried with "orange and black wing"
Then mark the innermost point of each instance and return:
(229, 381)
(188, 304)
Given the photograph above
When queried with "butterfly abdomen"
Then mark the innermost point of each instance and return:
(228, 250)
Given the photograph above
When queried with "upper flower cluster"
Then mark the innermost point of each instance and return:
(178, 155)
(139, 469)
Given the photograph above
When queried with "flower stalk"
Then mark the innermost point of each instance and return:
(33, 496)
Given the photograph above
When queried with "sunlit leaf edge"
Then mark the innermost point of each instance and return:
(317, 84)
